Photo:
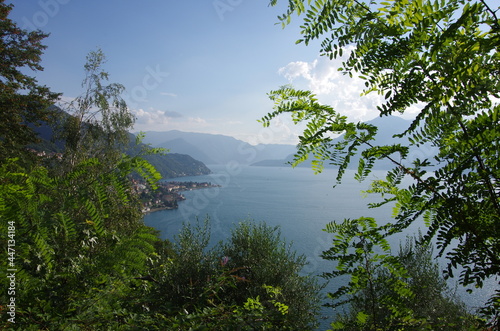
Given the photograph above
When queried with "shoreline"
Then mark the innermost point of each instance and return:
(175, 189)
(152, 210)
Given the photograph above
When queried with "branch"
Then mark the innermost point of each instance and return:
(482, 166)
(493, 13)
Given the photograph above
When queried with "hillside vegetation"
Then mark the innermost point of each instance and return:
(76, 254)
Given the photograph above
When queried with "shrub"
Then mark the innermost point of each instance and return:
(250, 282)
(416, 297)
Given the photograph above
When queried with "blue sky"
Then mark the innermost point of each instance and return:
(199, 66)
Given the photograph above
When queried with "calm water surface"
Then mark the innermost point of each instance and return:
(298, 201)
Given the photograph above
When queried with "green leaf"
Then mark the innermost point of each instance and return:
(362, 318)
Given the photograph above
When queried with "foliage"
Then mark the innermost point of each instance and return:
(76, 252)
(250, 282)
(444, 309)
(361, 252)
(22, 100)
(183, 274)
(439, 56)
(100, 119)
(266, 259)
(74, 238)
(384, 291)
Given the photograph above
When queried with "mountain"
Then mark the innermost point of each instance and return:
(169, 165)
(214, 148)
(387, 127)
(180, 145)
(174, 165)
(279, 162)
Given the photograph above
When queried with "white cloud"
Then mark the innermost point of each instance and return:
(150, 117)
(297, 69)
(322, 77)
(197, 121)
(285, 131)
(160, 120)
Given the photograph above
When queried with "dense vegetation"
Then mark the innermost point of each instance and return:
(49, 141)
(77, 256)
(75, 252)
(441, 57)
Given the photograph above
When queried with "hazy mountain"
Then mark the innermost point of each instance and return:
(169, 165)
(216, 149)
(387, 128)
(180, 145)
(177, 165)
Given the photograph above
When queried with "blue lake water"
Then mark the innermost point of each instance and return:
(295, 199)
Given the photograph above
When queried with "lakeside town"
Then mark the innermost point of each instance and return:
(167, 195)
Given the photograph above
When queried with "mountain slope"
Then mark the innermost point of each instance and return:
(387, 128)
(179, 145)
(177, 165)
(169, 165)
(216, 149)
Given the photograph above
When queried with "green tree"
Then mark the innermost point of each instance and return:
(22, 99)
(266, 259)
(99, 119)
(406, 291)
(76, 237)
(433, 300)
(77, 242)
(251, 281)
(361, 252)
(440, 56)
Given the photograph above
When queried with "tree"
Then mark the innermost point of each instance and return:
(99, 118)
(266, 259)
(440, 56)
(22, 100)
(74, 239)
(75, 243)
(251, 281)
(393, 292)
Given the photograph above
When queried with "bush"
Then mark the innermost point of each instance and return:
(266, 259)
(250, 282)
(417, 299)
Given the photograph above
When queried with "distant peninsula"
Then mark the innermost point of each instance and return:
(167, 195)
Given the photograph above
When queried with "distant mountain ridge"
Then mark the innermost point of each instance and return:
(387, 127)
(214, 148)
(170, 165)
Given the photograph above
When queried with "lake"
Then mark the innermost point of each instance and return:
(295, 199)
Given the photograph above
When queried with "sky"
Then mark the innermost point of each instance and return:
(193, 65)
